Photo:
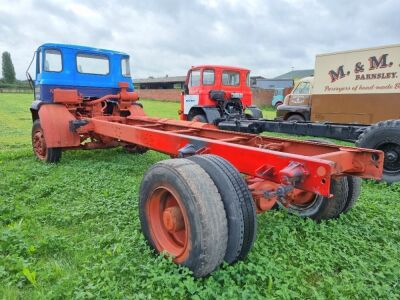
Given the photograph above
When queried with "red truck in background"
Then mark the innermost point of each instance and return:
(212, 92)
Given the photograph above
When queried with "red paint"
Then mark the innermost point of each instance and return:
(307, 165)
(203, 90)
(168, 223)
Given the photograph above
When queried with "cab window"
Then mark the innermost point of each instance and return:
(125, 67)
(194, 79)
(248, 79)
(39, 62)
(208, 77)
(52, 60)
(92, 64)
(230, 78)
(303, 88)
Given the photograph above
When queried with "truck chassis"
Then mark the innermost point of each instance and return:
(197, 206)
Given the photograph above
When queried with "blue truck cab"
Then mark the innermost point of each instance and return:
(278, 97)
(93, 72)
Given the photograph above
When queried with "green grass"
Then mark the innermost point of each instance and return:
(72, 231)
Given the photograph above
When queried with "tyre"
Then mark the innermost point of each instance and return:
(318, 207)
(199, 118)
(182, 214)
(384, 136)
(354, 183)
(136, 149)
(277, 104)
(296, 118)
(49, 155)
(238, 204)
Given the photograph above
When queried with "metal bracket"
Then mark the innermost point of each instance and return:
(75, 124)
(280, 193)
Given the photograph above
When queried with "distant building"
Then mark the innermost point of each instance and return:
(253, 79)
(264, 83)
(296, 74)
(168, 82)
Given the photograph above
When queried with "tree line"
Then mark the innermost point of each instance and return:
(8, 79)
(7, 68)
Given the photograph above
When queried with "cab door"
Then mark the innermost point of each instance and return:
(191, 98)
(301, 95)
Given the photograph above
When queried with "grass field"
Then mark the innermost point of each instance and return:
(72, 231)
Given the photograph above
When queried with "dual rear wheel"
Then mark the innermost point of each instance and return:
(199, 210)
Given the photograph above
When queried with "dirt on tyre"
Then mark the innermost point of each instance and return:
(323, 208)
(40, 149)
(384, 136)
(181, 213)
(238, 204)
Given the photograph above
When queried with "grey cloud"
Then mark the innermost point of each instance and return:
(167, 37)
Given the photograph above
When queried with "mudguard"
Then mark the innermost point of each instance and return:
(211, 113)
(54, 120)
(35, 109)
(255, 112)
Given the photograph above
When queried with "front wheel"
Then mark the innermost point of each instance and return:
(296, 118)
(199, 118)
(277, 104)
(49, 155)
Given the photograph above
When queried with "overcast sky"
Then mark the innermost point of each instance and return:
(167, 37)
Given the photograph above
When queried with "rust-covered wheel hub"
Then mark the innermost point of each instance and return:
(39, 144)
(168, 222)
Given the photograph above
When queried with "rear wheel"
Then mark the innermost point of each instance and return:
(317, 207)
(354, 183)
(384, 136)
(50, 155)
(238, 204)
(181, 213)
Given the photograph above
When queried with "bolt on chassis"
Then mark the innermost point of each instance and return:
(200, 205)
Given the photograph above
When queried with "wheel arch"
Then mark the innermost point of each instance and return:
(210, 113)
(289, 114)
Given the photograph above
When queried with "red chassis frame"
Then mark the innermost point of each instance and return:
(268, 162)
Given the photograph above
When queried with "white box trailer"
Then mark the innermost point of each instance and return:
(358, 86)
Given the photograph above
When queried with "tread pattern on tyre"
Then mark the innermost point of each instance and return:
(207, 211)
(53, 154)
(354, 184)
(367, 139)
(237, 202)
(246, 201)
(333, 207)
